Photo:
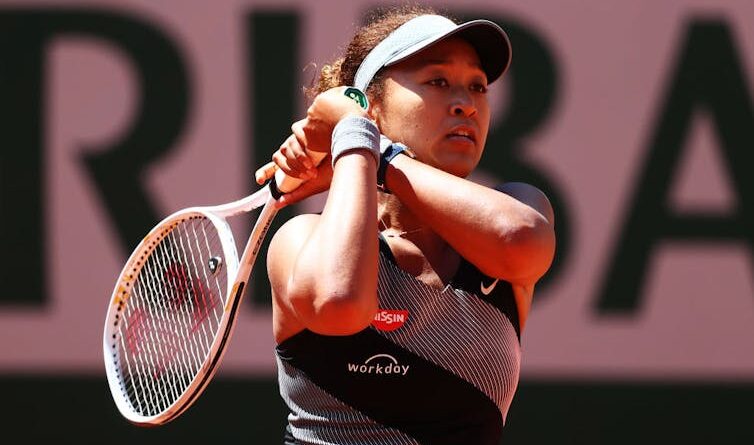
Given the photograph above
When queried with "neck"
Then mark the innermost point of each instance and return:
(402, 234)
(395, 219)
(417, 248)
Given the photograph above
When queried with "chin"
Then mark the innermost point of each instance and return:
(458, 169)
(460, 166)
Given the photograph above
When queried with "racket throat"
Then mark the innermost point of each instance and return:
(214, 264)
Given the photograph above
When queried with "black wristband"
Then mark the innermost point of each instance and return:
(388, 155)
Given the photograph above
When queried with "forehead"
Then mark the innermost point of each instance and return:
(446, 52)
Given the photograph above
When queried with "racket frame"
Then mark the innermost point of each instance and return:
(268, 197)
(238, 273)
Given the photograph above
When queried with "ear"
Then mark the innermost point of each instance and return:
(374, 112)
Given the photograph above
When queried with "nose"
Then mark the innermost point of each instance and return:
(462, 105)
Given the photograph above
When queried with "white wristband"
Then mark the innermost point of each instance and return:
(355, 133)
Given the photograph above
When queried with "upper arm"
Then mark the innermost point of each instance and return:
(281, 260)
(304, 294)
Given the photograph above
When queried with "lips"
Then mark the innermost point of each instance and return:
(463, 132)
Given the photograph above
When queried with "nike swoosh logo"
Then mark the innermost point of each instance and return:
(488, 289)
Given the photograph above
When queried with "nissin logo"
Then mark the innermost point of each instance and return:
(380, 364)
(389, 320)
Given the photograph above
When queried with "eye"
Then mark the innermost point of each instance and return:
(438, 82)
(478, 87)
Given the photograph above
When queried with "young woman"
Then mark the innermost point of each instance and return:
(398, 310)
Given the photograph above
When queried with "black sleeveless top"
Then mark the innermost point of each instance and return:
(437, 366)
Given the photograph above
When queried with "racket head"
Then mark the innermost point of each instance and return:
(169, 316)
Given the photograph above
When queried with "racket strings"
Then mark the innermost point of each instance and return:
(173, 314)
(177, 285)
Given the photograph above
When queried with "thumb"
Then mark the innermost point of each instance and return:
(265, 172)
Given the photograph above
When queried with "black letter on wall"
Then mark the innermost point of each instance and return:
(709, 76)
(532, 81)
(117, 171)
(273, 43)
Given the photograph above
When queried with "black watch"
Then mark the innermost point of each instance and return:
(387, 156)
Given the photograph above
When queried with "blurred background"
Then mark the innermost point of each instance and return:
(635, 117)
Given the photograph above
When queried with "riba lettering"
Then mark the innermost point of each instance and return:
(708, 74)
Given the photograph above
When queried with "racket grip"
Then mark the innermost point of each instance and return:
(287, 184)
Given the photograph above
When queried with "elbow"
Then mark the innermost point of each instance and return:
(337, 311)
(535, 235)
(344, 313)
(529, 248)
(536, 248)
(339, 298)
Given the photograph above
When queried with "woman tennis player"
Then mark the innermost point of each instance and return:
(398, 310)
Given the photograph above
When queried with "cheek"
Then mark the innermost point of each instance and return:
(406, 123)
(484, 123)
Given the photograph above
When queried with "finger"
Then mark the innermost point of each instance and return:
(293, 167)
(290, 166)
(299, 164)
(298, 130)
(304, 191)
(299, 148)
(297, 155)
(281, 161)
(313, 186)
(265, 172)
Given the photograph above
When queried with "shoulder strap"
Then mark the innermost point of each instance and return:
(385, 248)
(497, 292)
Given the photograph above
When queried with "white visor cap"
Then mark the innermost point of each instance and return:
(490, 41)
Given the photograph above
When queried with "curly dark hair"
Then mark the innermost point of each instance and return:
(380, 24)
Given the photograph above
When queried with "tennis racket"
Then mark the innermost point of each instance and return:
(174, 305)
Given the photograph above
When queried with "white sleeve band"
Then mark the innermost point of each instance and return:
(355, 133)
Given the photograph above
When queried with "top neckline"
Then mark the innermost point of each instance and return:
(451, 285)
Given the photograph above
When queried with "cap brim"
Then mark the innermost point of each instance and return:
(490, 41)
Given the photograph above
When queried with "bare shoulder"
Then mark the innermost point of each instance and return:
(529, 195)
(304, 222)
(281, 258)
(291, 236)
(285, 246)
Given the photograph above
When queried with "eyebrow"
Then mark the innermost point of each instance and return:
(445, 61)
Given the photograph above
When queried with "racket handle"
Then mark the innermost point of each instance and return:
(286, 184)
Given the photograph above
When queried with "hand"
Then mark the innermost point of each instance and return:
(327, 109)
(292, 158)
(318, 184)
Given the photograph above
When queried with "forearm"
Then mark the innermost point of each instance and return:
(334, 282)
(504, 237)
